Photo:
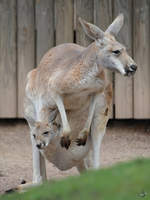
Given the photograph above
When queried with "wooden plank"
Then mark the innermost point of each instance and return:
(64, 21)
(8, 59)
(142, 57)
(123, 85)
(103, 20)
(44, 13)
(85, 10)
(26, 50)
(102, 13)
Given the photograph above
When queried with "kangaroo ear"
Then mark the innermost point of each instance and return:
(53, 115)
(91, 30)
(30, 121)
(116, 25)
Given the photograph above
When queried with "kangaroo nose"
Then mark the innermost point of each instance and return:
(38, 146)
(133, 67)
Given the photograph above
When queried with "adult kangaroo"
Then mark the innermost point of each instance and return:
(68, 99)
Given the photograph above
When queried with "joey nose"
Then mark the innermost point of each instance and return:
(133, 67)
(38, 146)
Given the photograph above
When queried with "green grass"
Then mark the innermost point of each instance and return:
(125, 181)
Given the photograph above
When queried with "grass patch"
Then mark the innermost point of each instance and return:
(125, 181)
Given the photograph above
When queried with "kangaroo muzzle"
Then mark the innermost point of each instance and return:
(130, 71)
(40, 145)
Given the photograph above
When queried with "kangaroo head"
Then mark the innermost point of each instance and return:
(43, 133)
(110, 54)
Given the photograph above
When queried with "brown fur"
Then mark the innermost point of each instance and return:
(72, 79)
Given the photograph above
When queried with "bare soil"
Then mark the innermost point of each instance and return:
(124, 140)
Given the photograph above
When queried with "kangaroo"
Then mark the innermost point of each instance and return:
(68, 99)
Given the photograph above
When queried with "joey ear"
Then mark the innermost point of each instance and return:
(30, 121)
(91, 30)
(53, 115)
(116, 25)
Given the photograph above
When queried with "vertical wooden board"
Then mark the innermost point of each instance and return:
(8, 59)
(64, 21)
(123, 85)
(141, 36)
(85, 10)
(44, 13)
(102, 13)
(25, 42)
(103, 18)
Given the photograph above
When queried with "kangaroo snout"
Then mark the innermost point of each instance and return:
(133, 68)
(130, 70)
(39, 146)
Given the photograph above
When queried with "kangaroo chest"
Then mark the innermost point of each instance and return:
(77, 93)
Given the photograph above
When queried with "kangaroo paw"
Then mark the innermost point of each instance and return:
(65, 141)
(81, 140)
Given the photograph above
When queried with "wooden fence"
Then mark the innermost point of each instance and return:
(28, 28)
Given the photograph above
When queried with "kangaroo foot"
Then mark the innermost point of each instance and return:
(16, 189)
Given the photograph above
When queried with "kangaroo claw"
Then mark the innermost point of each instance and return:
(65, 141)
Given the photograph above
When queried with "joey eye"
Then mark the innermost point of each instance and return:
(46, 133)
(117, 52)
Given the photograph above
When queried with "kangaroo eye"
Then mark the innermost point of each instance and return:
(117, 52)
(46, 133)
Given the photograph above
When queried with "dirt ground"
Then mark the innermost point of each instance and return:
(124, 140)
